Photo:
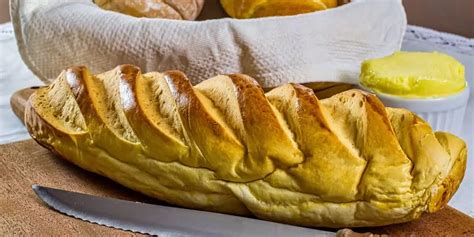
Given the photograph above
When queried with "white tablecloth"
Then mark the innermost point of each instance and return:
(14, 75)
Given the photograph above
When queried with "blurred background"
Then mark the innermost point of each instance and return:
(453, 16)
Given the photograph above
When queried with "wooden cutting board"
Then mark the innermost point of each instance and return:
(25, 163)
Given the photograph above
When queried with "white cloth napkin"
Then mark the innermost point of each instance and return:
(322, 46)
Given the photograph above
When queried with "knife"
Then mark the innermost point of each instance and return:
(163, 221)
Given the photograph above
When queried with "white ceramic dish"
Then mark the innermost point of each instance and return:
(442, 113)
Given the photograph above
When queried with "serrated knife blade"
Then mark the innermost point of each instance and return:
(163, 221)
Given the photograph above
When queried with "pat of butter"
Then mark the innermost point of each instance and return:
(414, 74)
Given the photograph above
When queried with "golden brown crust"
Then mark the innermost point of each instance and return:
(265, 135)
(457, 150)
(265, 8)
(136, 90)
(225, 146)
(171, 9)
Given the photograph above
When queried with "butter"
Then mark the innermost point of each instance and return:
(414, 74)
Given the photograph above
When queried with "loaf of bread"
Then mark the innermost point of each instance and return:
(225, 146)
(264, 8)
(171, 9)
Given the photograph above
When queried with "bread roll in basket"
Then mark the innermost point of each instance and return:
(224, 145)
